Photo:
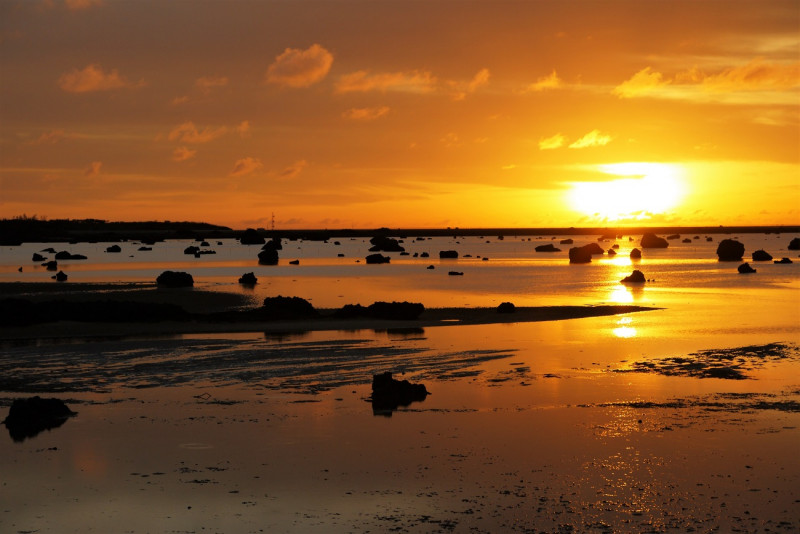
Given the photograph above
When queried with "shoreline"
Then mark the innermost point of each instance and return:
(432, 317)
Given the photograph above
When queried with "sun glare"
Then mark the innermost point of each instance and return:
(643, 189)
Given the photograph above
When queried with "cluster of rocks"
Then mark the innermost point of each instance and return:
(28, 417)
(405, 311)
(388, 394)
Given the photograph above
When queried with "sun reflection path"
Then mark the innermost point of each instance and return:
(624, 330)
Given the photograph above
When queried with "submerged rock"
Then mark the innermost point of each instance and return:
(28, 417)
(783, 261)
(248, 279)
(730, 250)
(745, 269)
(175, 279)
(389, 394)
(636, 277)
(762, 255)
(651, 240)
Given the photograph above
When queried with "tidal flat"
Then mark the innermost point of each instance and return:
(679, 414)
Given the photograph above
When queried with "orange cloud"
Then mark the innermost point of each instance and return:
(462, 89)
(547, 82)
(182, 153)
(300, 68)
(551, 143)
(363, 81)
(591, 139)
(93, 170)
(755, 75)
(92, 78)
(188, 133)
(207, 83)
(53, 136)
(293, 170)
(643, 82)
(366, 114)
(245, 166)
(76, 5)
(243, 129)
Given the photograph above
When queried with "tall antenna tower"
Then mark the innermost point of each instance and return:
(273, 221)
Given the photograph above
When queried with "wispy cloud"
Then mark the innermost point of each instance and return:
(366, 114)
(293, 170)
(93, 170)
(243, 129)
(245, 166)
(77, 5)
(93, 78)
(553, 142)
(182, 153)
(463, 89)
(300, 68)
(592, 139)
(189, 133)
(552, 81)
(208, 83)
(364, 81)
(640, 84)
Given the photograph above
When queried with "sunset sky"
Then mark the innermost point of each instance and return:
(360, 114)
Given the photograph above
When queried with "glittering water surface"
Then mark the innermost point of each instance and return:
(682, 419)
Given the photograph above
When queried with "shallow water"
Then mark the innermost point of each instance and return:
(530, 427)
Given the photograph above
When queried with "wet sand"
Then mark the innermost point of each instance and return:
(204, 302)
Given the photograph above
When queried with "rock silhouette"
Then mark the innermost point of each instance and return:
(268, 256)
(60, 277)
(746, 269)
(567, 241)
(448, 254)
(288, 308)
(28, 417)
(785, 261)
(506, 307)
(175, 279)
(730, 250)
(651, 240)
(547, 248)
(579, 255)
(762, 255)
(636, 277)
(377, 259)
(251, 237)
(114, 248)
(794, 244)
(636, 254)
(389, 394)
(248, 279)
(385, 244)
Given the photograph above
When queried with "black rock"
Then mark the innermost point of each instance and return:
(114, 248)
(650, 240)
(288, 308)
(424, 255)
(389, 394)
(294, 262)
(28, 417)
(567, 241)
(268, 256)
(636, 254)
(455, 273)
(674, 236)
(385, 244)
(547, 248)
(762, 255)
(373, 259)
(580, 255)
(794, 244)
(506, 307)
(51, 265)
(730, 250)
(64, 255)
(37, 257)
(175, 279)
(687, 240)
(612, 252)
(745, 269)
(144, 249)
(192, 250)
(448, 254)
(784, 261)
(251, 237)
(273, 244)
(248, 279)
(60, 277)
(636, 277)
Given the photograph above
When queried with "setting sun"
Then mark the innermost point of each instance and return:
(647, 189)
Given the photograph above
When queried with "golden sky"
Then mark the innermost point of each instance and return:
(360, 114)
